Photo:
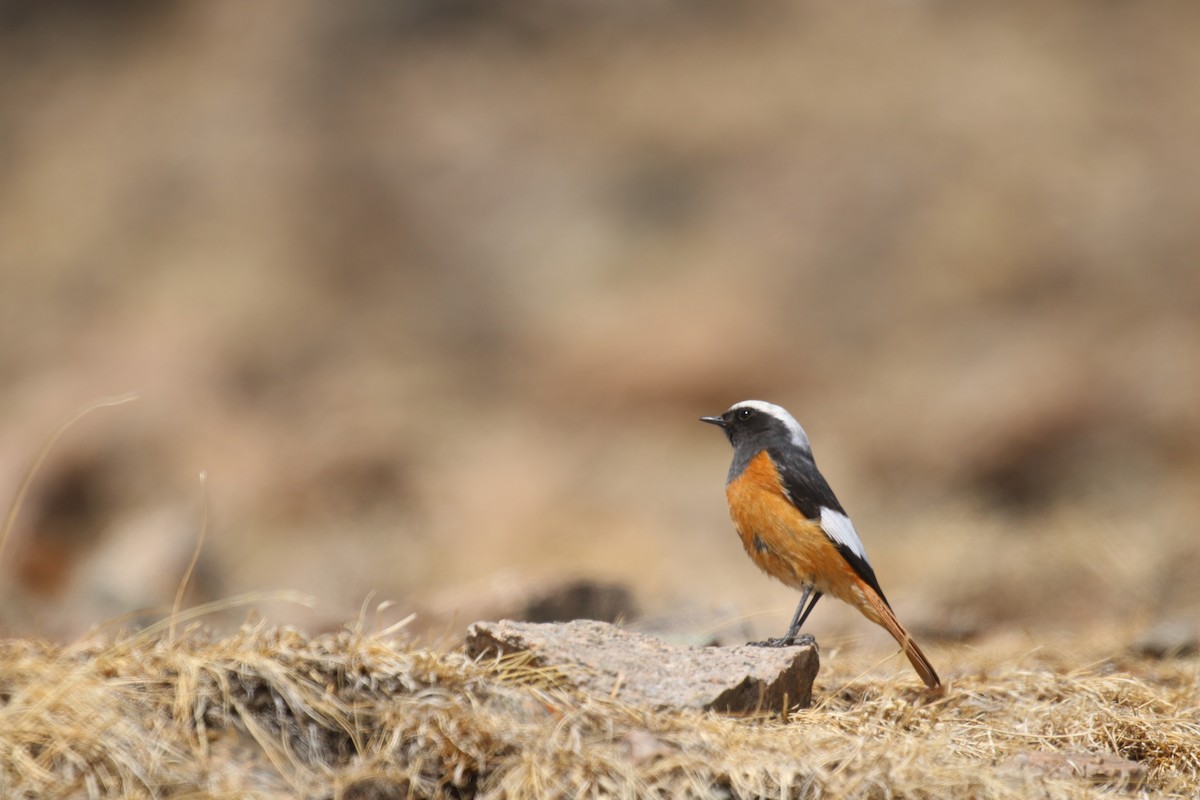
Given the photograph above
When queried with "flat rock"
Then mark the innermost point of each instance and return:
(604, 660)
(1170, 638)
(581, 599)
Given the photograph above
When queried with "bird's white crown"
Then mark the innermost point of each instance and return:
(799, 437)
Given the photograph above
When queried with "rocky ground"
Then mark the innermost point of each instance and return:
(361, 714)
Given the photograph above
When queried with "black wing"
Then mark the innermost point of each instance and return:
(810, 492)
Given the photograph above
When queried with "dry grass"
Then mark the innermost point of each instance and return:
(271, 712)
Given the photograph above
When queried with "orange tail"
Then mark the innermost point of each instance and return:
(888, 620)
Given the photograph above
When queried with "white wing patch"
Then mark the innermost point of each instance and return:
(839, 528)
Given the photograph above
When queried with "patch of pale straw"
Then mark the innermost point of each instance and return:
(275, 713)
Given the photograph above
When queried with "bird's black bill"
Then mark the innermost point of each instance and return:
(718, 421)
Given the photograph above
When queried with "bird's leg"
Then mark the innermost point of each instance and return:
(794, 627)
(798, 620)
(790, 638)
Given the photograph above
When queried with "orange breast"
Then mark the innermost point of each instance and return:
(780, 540)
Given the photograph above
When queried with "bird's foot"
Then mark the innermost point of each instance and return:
(804, 640)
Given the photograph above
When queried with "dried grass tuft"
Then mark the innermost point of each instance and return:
(270, 712)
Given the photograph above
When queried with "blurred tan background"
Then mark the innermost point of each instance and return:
(435, 292)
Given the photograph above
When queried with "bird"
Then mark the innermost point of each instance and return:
(794, 528)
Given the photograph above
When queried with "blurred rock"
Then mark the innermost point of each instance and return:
(136, 568)
(606, 661)
(1169, 638)
(529, 599)
(582, 599)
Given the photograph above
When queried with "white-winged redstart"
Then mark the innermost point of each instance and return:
(794, 528)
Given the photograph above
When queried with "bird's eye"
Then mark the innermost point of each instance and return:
(746, 413)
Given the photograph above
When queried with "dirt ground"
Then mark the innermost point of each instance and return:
(434, 293)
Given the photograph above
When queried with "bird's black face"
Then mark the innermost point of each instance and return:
(746, 424)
